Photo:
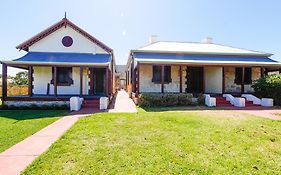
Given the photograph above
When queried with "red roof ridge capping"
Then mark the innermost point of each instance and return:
(64, 22)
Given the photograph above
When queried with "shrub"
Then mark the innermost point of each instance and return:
(167, 99)
(150, 99)
(3, 107)
(269, 87)
(201, 99)
(185, 99)
(36, 107)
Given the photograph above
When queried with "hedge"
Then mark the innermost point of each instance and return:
(168, 99)
(35, 107)
(269, 87)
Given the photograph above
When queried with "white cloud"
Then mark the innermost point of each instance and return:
(124, 32)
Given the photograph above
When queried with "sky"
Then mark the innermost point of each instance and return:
(127, 24)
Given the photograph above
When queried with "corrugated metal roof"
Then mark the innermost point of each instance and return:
(57, 57)
(204, 59)
(156, 56)
(120, 68)
(197, 48)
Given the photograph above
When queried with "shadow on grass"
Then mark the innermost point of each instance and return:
(175, 108)
(31, 114)
(200, 108)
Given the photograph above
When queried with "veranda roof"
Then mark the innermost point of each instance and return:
(57, 58)
(174, 58)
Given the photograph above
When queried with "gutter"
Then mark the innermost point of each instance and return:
(53, 63)
(192, 62)
(203, 53)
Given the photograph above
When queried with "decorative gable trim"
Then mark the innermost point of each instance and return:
(63, 23)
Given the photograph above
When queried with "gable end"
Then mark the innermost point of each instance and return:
(63, 23)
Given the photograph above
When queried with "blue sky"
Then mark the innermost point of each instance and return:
(127, 24)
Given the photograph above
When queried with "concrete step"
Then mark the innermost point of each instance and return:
(221, 102)
(224, 105)
(250, 104)
(90, 106)
(91, 102)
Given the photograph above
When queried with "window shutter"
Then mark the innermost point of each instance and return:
(70, 81)
(153, 74)
(248, 75)
(52, 80)
(238, 75)
(167, 74)
(156, 77)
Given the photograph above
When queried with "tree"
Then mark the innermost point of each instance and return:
(21, 78)
(269, 87)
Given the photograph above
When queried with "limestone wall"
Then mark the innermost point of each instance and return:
(43, 75)
(256, 74)
(232, 87)
(146, 84)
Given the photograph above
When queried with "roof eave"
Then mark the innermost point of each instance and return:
(26, 44)
(203, 53)
(53, 63)
(214, 63)
(130, 57)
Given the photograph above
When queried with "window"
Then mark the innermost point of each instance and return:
(64, 76)
(67, 41)
(157, 74)
(247, 75)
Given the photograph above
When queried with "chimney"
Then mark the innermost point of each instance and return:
(207, 40)
(153, 39)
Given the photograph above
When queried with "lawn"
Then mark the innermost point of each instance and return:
(178, 142)
(16, 125)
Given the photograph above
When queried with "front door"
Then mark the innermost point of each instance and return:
(195, 79)
(98, 79)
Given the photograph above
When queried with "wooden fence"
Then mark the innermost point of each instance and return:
(15, 90)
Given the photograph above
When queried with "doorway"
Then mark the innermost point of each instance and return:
(195, 80)
(97, 77)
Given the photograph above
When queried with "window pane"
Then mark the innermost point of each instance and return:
(64, 75)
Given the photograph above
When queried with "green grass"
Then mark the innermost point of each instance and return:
(16, 125)
(186, 142)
